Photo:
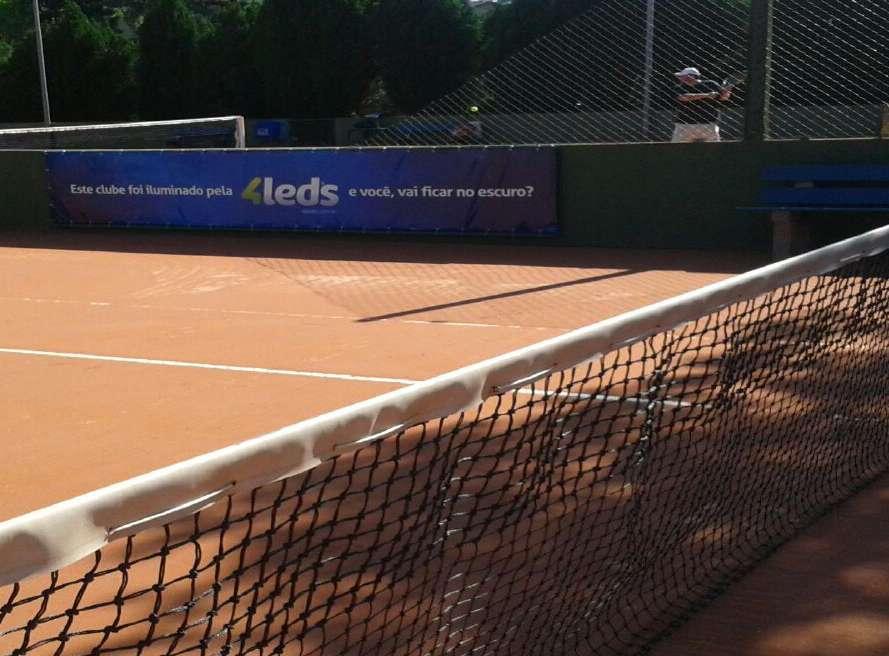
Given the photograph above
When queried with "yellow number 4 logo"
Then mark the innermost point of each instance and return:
(251, 193)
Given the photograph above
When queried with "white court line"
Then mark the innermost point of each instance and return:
(524, 391)
(203, 365)
(269, 313)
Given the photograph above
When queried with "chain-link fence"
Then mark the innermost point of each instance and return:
(608, 75)
(829, 67)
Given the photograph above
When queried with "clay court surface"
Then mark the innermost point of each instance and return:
(824, 593)
(222, 338)
(124, 352)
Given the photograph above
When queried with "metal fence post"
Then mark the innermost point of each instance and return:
(649, 65)
(41, 64)
(759, 69)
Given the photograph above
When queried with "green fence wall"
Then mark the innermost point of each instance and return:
(23, 199)
(685, 196)
(677, 196)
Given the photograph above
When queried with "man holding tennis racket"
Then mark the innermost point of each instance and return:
(698, 103)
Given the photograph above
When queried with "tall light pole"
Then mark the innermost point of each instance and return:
(41, 64)
(649, 65)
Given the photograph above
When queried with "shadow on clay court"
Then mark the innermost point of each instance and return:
(496, 297)
(823, 594)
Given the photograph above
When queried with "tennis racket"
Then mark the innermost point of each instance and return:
(732, 81)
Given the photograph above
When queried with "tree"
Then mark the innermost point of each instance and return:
(89, 69)
(89, 73)
(15, 20)
(226, 74)
(19, 85)
(97, 10)
(425, 49)
(168, 39)
(313, 58)
(16, 23)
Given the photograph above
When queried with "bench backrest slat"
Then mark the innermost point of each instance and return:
(825, 173)
(834, 196)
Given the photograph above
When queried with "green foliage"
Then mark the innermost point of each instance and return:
(89, 69)
(16, 23)
(313, 58)
(89, 72)
(19, 85)
(425, 49)
(168, 43)
(227, 78)
(6, 49)
(157, 59)
(16, 20)
(98, 10)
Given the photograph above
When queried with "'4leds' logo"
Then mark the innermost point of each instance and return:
(264, 191)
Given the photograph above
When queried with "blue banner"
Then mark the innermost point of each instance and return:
(486, 191)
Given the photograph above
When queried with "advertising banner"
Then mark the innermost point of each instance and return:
(482, 191)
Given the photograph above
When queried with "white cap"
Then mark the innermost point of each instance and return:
(688, 72)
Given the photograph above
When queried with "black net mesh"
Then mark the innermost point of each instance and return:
(583, 514)
(225, 132)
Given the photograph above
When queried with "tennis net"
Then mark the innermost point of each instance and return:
(219, 132)
(579, 496)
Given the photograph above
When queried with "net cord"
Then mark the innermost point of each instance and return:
(58, 535)
(240, 128)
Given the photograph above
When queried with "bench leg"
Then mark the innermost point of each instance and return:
(790, 236)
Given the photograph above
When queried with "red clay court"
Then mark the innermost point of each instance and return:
(322, 324)
(132, 351)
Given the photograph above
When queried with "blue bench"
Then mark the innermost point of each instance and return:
(789, 192)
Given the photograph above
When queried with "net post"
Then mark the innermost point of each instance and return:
(759, 67)
(240, 133)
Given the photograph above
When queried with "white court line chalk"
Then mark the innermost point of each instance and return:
(524, 391)
(203, 365)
